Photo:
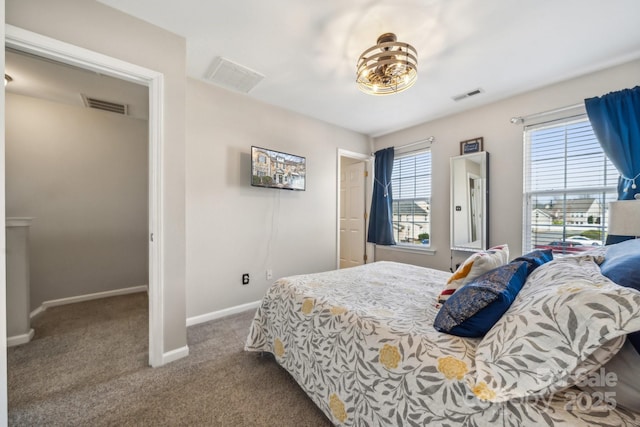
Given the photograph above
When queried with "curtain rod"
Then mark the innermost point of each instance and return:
(521, 119)
(411, 144)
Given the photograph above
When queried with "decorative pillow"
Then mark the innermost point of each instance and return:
(535, 259)
(477, 264)
(478, 305)
(566, 322)
(622, 263)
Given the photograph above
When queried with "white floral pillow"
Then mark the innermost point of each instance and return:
(473, 267)
(566, 322)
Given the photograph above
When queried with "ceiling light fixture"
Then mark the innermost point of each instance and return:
(388, 67)
(7, 79)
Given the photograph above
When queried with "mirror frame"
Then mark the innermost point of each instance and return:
(482, 158)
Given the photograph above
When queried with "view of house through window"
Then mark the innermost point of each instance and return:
(411, 190)
(568, 184)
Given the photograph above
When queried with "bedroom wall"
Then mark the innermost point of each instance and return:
(503, 141)
(82, 175)
(94, 26)
(3, 248)
(233, 228)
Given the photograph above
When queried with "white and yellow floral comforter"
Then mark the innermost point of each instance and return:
(361, 343)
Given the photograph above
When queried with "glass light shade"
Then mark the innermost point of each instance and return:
(388, 67)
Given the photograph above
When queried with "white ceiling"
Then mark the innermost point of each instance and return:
(308, 50)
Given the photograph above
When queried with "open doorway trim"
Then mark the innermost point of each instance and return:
(368, 193)
(40, 45)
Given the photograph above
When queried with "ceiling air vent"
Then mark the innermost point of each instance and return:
(230, 75)
(101, 104)
(467, 94)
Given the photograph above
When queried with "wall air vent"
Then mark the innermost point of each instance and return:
(101, 104)
(467, 94)
(230, 75)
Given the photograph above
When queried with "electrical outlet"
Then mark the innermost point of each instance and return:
(269, 274)
(245, 279)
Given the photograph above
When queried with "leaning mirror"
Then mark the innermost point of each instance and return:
(469, 201)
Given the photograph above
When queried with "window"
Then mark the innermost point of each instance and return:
(411, 190)
(568, 183)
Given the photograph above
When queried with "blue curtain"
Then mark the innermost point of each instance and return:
(615, 118)
(380, 226)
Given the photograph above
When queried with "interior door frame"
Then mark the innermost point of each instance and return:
(57, 50)
(368, 160)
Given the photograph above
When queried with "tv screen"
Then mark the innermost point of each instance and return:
(275, 169)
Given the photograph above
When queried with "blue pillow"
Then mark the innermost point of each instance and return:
(622, 263)
(536, 258)
(473, 309)
(634, 339)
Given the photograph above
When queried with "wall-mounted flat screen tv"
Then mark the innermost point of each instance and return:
(275, 169)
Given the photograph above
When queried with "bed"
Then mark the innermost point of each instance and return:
(361, 343)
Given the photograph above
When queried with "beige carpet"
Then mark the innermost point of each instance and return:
(87, 366)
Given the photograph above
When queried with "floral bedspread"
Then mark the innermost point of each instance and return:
(361, 343)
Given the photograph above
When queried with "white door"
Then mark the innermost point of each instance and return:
(352, 214)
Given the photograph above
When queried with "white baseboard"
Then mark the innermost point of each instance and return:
(20, 339)
(88, 297)
(176, 354)
(37, 311)
(222, 313)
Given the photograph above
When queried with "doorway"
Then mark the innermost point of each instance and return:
(354, 200)
(38, 45)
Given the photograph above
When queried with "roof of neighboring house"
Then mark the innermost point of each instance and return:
(556, 207)
(543, 212)
(407, 207)
(580, 205)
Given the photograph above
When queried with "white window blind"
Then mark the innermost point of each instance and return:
(568, 183)
(411, 190)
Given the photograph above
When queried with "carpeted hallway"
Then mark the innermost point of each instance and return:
(87, 366)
